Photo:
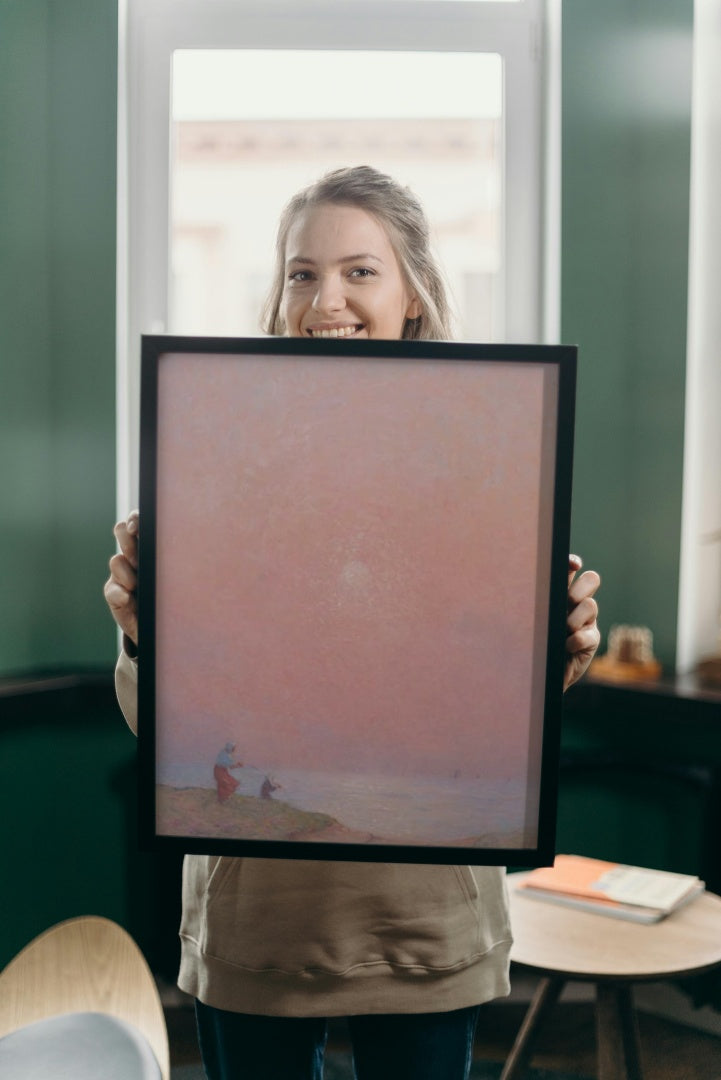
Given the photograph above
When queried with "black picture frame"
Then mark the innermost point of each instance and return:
(353, 569)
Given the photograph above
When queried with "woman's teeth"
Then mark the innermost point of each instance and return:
(337, 331)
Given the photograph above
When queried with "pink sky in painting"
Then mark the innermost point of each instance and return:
(347, 562)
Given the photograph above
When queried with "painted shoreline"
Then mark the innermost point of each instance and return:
(196, 812)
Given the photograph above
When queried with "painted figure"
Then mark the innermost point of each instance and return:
(268, 786)
(225, 783)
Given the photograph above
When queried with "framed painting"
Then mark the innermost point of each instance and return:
(352, 597)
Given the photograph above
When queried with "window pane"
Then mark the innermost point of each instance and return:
(454, 1)
(252, 127)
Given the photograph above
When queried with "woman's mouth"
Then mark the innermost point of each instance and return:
(335, 331)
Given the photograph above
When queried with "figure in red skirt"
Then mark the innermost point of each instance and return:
(225, 761)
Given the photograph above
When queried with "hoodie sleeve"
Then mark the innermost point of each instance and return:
(126, 687)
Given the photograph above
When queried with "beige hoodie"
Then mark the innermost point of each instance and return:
(285, 937)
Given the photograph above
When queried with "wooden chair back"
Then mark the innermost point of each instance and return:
(87, 964)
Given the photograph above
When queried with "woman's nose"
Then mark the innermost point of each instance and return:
(329, 296)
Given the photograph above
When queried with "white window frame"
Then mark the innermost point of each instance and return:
(699, 597)
(526, 34)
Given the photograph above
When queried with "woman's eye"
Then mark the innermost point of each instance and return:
(362, 272)
(300, 276)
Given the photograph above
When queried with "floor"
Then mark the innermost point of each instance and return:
(670, 1051)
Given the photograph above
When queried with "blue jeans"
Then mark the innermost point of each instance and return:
(416, 1046)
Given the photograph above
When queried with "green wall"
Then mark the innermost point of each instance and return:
(626, 137)
(625, 201)
(67, 774)
(58, 72)
(68, 803)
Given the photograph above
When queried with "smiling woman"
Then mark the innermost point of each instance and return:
(331, 292)
(353, 259)
(271, 947)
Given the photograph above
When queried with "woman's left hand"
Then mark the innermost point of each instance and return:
(582, 634)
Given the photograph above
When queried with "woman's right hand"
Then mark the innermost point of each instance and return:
(121, 587)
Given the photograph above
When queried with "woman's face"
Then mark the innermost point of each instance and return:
(342, 277)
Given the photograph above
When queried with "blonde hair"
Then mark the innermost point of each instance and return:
(403, 217)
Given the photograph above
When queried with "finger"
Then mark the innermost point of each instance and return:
(575, 562)
(583, 641)
(119, 599)
(126, 534)
(123, 573)
(582, 614)
(585, 585)
(123, 608)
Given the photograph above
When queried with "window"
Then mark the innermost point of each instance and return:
(236, 161)
(227, 107)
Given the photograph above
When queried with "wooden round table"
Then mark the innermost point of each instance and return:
(562, 944)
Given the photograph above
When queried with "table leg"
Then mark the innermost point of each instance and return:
(617, 1033)
(545, 997)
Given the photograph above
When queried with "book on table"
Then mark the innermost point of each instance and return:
(609, 888)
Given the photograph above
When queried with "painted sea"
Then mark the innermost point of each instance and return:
(319, 805)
